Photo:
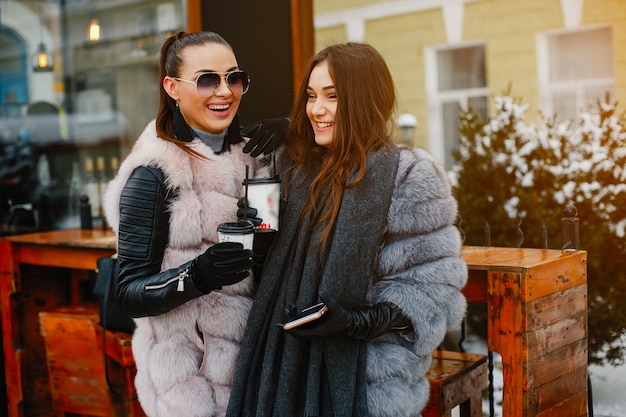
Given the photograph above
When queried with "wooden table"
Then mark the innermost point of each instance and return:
(537, 321)
(39, 271)
(536, 302)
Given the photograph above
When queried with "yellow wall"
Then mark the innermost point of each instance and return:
(329, 36)
(509, 29)
(320, 6)
(613, 12)
(401, 40)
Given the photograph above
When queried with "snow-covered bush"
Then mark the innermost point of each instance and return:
(512, 175)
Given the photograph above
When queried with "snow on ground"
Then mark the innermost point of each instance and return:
(608, 388)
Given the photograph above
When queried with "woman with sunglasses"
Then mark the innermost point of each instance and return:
(189, 294)
(367, 229)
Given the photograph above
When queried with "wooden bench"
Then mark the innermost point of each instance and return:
(456, 379)
(76, 364)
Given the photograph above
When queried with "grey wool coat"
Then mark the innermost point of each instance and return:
(416, 265)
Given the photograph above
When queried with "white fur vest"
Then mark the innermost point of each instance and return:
(178, 372)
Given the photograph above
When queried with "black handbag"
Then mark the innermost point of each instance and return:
(111, 315)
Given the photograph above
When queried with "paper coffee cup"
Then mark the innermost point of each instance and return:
(241, 231)
(264, 196)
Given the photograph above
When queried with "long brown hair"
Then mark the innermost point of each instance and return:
(363, 123)
(170, 64)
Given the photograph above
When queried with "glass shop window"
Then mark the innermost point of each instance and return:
(78, 83)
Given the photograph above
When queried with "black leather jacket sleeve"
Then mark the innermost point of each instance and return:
(143, 235)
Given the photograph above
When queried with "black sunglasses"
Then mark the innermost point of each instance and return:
(207, 83)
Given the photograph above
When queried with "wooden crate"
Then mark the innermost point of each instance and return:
(121, 371)
(456, 379)
(44, 289)
(557, 357)
(537, 321)
(75, 362)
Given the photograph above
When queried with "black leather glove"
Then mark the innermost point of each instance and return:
(245, 212)
(366, 323)
(222, 264)
(263, 239)
(265, 136)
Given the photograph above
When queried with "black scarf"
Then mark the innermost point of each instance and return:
(280, 376)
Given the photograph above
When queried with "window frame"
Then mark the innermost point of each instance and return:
(437, 99)
(548, 88)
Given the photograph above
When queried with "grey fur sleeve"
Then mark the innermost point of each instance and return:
(420, 268)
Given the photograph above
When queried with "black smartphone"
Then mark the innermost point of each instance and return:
(306, 316)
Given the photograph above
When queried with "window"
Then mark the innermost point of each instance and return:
(576, 67)
(456, 79)
(13, 85)
(64, 129)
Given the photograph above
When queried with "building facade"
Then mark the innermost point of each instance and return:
(558, 56)
(78, 78)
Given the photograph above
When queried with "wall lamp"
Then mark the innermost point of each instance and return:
(407, 123)
(42, 59)
(93, 31)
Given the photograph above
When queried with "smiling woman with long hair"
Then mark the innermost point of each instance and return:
(189, 294)
(367, 228)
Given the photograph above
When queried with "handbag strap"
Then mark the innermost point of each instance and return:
(103, 318)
